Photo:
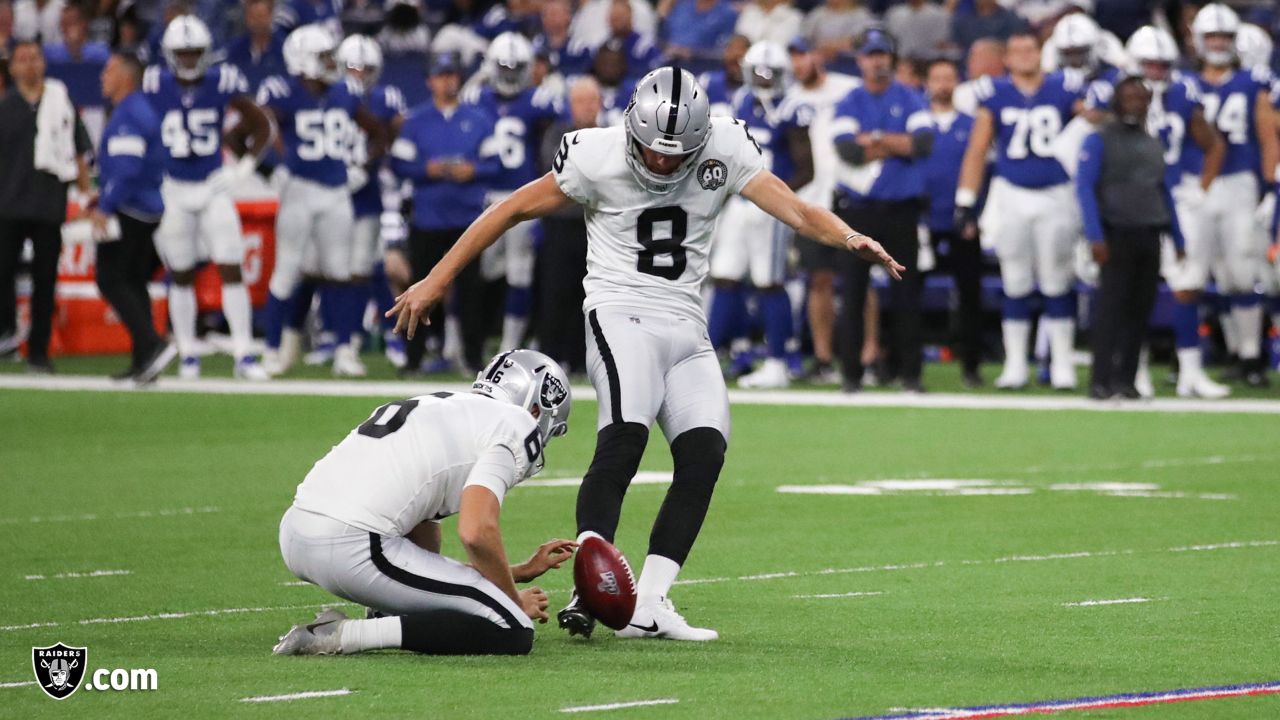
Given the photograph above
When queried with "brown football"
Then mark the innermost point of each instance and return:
(605, 583)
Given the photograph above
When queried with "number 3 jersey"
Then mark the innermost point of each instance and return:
(411, 460)
(317, 129)
(1027, 126)
(191, 117)
(647, 249)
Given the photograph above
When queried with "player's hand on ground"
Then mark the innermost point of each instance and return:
(534, 602)
(414, 305)
(873, 252)
(549, 556)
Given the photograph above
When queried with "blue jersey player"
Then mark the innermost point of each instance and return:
(723, 85)
(1237, 102)
(190, 95)
(748, 242)
(1031, 216)
(521, 114)
(316, 109)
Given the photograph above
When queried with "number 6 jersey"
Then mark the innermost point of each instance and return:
(645, 249)
(411, 460)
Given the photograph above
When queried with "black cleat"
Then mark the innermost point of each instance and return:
(576, 619)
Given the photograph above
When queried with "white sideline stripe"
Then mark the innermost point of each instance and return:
(383, 389)
(131, 515)
(66, 575)
(994, 561)
(297, 696)
(1119, 601)
(17, 684)
(620, 705)
(824, 596)
(162, 616)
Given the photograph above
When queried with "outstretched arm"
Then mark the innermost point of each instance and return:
(536, 199)
(773, 196)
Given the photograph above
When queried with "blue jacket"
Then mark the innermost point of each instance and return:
(427, 134)
(132, 161)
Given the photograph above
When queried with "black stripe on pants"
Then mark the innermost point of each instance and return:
(426, 249)
(124, 267)
(894, 225)
(1126, 295)
(610, 369)
(46, 239)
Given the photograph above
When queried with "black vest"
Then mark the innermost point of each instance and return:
(1131, 189)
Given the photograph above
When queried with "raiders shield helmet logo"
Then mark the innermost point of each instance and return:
(553, 392)
(59, 669)
(712, 174)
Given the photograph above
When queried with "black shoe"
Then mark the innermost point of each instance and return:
(165, 354)
(1098, 392)
(371, 614)
(576, 619)
(915, 387)
(1128, 393)
(972, 379)
(1232, 370)
(850, 387)
(1256, 377)
(40, 367)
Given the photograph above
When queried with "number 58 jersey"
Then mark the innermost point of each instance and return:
(643, 248)
(411, 460)
(191, 117)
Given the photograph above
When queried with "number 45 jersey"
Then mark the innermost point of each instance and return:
(411, 460)
(643, 248)
(191, 117)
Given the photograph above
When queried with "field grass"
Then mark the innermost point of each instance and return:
(970, 610)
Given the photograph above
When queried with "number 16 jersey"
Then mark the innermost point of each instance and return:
(643, 248)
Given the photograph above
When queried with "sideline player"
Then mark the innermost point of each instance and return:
(1038, 223)
(365, 523)
(191, 96)
(651, 191)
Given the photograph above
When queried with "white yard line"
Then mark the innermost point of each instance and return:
(1118, 601)
(76, 575)
(297, 696)
(24, 683)
(162, 616)
(129, 515)
(619, 705)
(827, 596)
(378, 389)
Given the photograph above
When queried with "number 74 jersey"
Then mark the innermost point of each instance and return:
(643, 248)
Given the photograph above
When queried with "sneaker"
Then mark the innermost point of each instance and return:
(1099, 392)
(395, 350)
(279, 360)
(323, 352)
(1256, 378)
(1011, 380)
(346, 362)
(575, 618)
(329, 615)
(660, 620)
(1142, 382)
(9, 344)
(972, 379)
(315, 638)
(157, 363)
(824, 374)
(248, 368)
(40, 366)
(189, 369)
(771, 376)
(437, 365)
(870, 376)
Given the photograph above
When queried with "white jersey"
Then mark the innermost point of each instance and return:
(646, 249)
(411, 460)
(822, 101)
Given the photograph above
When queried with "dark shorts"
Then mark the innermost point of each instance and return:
(816, 256)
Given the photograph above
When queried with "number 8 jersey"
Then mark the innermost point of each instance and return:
(191, 117)
(647, 249)
(1027, 126)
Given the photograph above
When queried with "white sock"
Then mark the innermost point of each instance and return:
(1190, 364)
(656, 579)
(1230, 335)
(1044, 348)
(1061, 332)
(452, 349)
(1248, 322)
(1017, 333)
(376, 634)
(182, 313)
(513, 329)
(239, 314)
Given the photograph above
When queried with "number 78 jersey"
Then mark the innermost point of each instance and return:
(645, 249)
(1027, 126)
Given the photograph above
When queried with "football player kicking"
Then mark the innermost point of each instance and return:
(191, 95)
(365, 523)
(651, 191)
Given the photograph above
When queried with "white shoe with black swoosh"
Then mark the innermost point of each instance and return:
(660, 620)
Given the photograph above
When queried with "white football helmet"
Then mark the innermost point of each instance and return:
(1215, 19)
(1253, 45)
(361, 52)
(509, 63)
(766, 70)
(309, 53)
(187, 33)
(533, 381)
(1076, 39)
(1150, 44)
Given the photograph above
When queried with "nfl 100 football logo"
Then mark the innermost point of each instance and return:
(712, 174)
(59, 669)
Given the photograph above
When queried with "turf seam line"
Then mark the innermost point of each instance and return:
(1117, 601)
(1123, 700)
(297, 696)
(619, 705)
(165, 616)
(76, 575)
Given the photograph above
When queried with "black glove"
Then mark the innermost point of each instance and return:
(965, 217)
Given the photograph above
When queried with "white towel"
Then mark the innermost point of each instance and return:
(55, 150)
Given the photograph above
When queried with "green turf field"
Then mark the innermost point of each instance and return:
(963, 602)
